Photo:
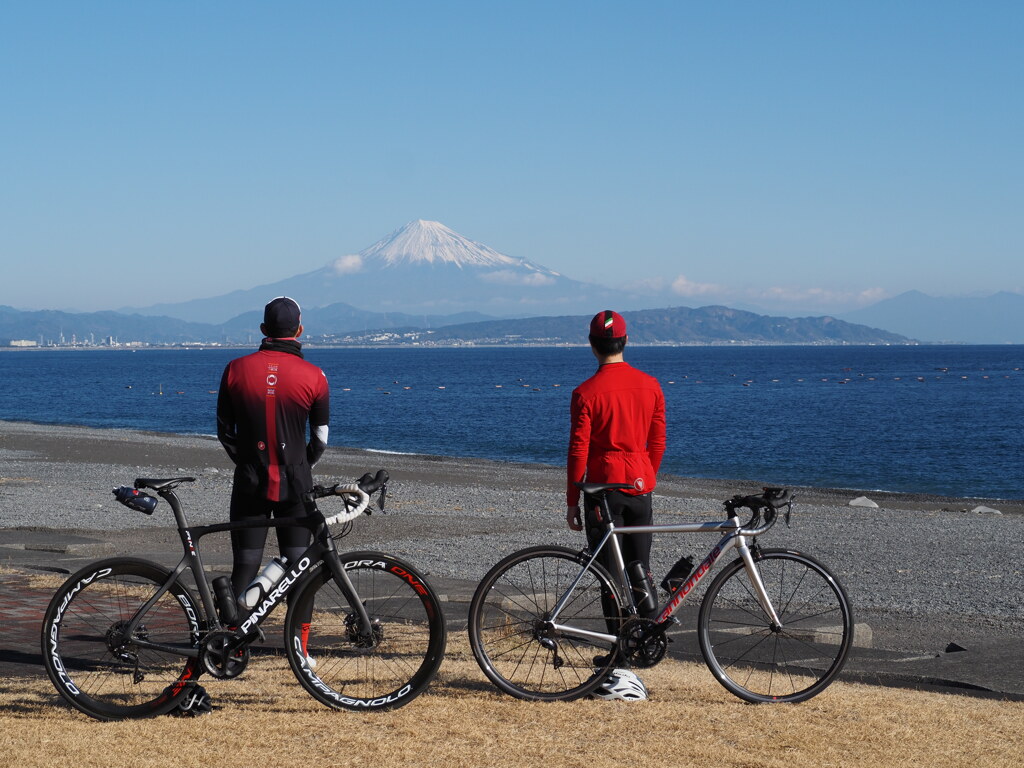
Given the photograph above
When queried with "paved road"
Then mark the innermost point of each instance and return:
(989, 667)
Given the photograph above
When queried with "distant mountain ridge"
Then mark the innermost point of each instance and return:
(424, 268)
(344, 324)
(50, 326)
(676, 325)
(426, 275)
(996, 319)
(421, 268)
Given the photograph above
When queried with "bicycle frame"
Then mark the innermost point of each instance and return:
(192, 560)
(735, 538)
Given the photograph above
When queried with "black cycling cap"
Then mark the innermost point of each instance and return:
(281, 317)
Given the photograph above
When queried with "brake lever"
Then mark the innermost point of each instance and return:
(380, 499)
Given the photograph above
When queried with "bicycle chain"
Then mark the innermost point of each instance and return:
(642, 642)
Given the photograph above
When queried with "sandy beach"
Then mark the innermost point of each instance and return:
(922, 571)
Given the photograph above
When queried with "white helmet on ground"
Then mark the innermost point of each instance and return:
(621, 685)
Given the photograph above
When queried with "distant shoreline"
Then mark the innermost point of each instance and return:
(472, 345)
(72, 444)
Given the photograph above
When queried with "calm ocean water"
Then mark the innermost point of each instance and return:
(929, 419)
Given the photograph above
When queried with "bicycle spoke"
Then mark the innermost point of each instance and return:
(510, 629)
(759, 661)
(382, 665)
(130, 680)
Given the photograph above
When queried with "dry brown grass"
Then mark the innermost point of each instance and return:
(36, 579)
(265, 719)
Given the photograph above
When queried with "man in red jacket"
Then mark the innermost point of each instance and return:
(265, 402)
(617, 436)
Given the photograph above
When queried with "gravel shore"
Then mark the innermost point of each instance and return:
(915, 566)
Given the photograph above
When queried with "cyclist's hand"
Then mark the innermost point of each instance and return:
(572, 517)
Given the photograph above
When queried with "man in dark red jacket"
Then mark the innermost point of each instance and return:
(617, 436)
(265, 402)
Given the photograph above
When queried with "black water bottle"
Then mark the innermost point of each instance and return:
(225, 597)
(678, 574)
(643, 589)
(135, 499)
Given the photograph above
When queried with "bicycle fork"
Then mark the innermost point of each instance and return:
(758, 584)
(364, 628)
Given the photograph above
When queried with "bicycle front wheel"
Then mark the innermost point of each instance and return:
(99, 667)
(514, 640)
(342, 665)
(762, 662)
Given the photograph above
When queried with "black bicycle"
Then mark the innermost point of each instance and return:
(127, 638)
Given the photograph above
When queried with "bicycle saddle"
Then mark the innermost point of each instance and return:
(162, 485)
(596, 488)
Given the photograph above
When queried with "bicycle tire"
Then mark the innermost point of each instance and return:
(409, 634)
(792, 664)
(123, 681)
(506, 625)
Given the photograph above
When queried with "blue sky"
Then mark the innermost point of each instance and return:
(790, 155)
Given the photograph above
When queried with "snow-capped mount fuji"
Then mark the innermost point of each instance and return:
(431, 242)
(421, 268)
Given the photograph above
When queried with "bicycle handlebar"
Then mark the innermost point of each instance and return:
(770, 497)
(355, 495)
(770, 501)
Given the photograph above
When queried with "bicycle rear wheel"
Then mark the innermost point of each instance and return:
(343, 670)
(514, 644)
(762, 663)
(100, 670)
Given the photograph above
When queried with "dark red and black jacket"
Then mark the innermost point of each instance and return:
(265, 404)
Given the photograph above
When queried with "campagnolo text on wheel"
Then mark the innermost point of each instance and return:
(128, 638)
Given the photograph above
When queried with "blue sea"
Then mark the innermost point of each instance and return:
(924, 419)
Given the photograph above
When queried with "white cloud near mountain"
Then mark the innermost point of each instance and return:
(777, 298)
(824, 297)
(780, 294)
(508, 277)
(347, 265)
(681, 286)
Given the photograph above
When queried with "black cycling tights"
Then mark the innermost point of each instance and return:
(247, 544)
(626, 510)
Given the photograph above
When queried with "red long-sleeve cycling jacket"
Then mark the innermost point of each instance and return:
(265, 402)
(618, 430)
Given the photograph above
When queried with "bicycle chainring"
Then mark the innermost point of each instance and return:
(219, 659)
(642, 642)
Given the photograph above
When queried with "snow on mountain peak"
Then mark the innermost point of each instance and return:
(431, 242)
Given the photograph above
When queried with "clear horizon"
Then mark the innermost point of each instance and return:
(796, 158)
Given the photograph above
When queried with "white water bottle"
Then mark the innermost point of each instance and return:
(262, 584)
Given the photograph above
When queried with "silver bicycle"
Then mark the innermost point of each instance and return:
(549, 623)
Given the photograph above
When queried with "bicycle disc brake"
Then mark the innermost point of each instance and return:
(363, 639)
(220, 659)
(642, 642)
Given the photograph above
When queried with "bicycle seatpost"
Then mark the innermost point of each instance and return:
(176, 508)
